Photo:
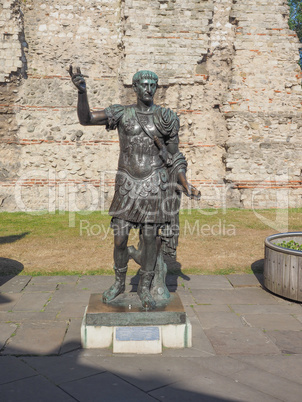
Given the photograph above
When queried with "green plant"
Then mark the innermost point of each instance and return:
(292, 245)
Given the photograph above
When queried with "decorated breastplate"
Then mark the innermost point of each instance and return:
(146, 122)
(139, 155)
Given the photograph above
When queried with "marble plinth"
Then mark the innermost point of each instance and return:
(129, 328)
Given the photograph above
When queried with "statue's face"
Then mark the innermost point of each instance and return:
(145, 89)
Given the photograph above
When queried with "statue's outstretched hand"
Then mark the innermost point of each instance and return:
(189, 190)
(78, 79)
(194, 192)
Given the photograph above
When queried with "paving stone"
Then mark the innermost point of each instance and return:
(105, 386)
(202, 347)
(33, 389)
(148, 373)
(33, 301)
(95, 352)
(272, 321)
(189, 311)
(234, 296)
(13, 284)
(209, 387)
(8, 301)
(287, 341)
(244, 280)
(208, 282)
(95, 283)
(278, 387)
(245, 369)
(290, 308)
(211, 308)
(69, 287)
(38, 330)
(57, 279)
(41, 287)
(62, 296)
(186, 298)
(3, 315)
(13, 368)
(37, 338)
(61, 369)
(220, 319)
(6, 330)
(287, 366)
(199, 338)
(44, 283)
(240, 341)
(72, 310)
(22, 316)
(223, 365)
(72, 339)
(299, 317)
(68, 304)
(188, 352)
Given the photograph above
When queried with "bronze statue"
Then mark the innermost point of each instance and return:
(150, 177)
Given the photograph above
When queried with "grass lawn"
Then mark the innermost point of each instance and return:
(211, 241)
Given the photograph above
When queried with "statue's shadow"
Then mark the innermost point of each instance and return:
(12, 238)
(174, 272)
(9, 268)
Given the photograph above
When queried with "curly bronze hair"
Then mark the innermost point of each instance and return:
(144, 74)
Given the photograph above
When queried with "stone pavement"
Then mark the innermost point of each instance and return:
(247, 345)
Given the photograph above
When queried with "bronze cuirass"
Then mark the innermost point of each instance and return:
(139, 156)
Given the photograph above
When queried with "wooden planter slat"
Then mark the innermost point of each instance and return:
(299, 293)
(283, 267)
(293, 278)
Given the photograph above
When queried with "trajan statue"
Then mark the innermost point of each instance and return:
(150, 177)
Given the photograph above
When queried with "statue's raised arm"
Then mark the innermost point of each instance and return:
(86, 117)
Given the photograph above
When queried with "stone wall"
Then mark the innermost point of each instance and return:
(11, 70)
(228, 68)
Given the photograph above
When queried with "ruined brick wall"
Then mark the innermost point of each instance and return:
(228, 68)
(11, 70)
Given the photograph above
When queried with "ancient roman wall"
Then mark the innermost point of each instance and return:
(227, 67)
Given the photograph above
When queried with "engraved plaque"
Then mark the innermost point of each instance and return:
(137, 334)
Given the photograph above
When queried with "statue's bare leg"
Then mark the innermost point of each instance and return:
(148, 260)
(136, 254)
(121, 258)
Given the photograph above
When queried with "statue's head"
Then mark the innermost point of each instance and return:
(145, 84)
(144, 74)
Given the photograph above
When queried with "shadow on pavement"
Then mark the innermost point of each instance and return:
(89, 376)
(257, 268)
(8, 269)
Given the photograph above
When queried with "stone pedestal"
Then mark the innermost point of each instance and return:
(129, 328)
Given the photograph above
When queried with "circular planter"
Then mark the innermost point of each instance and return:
(283, 267)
